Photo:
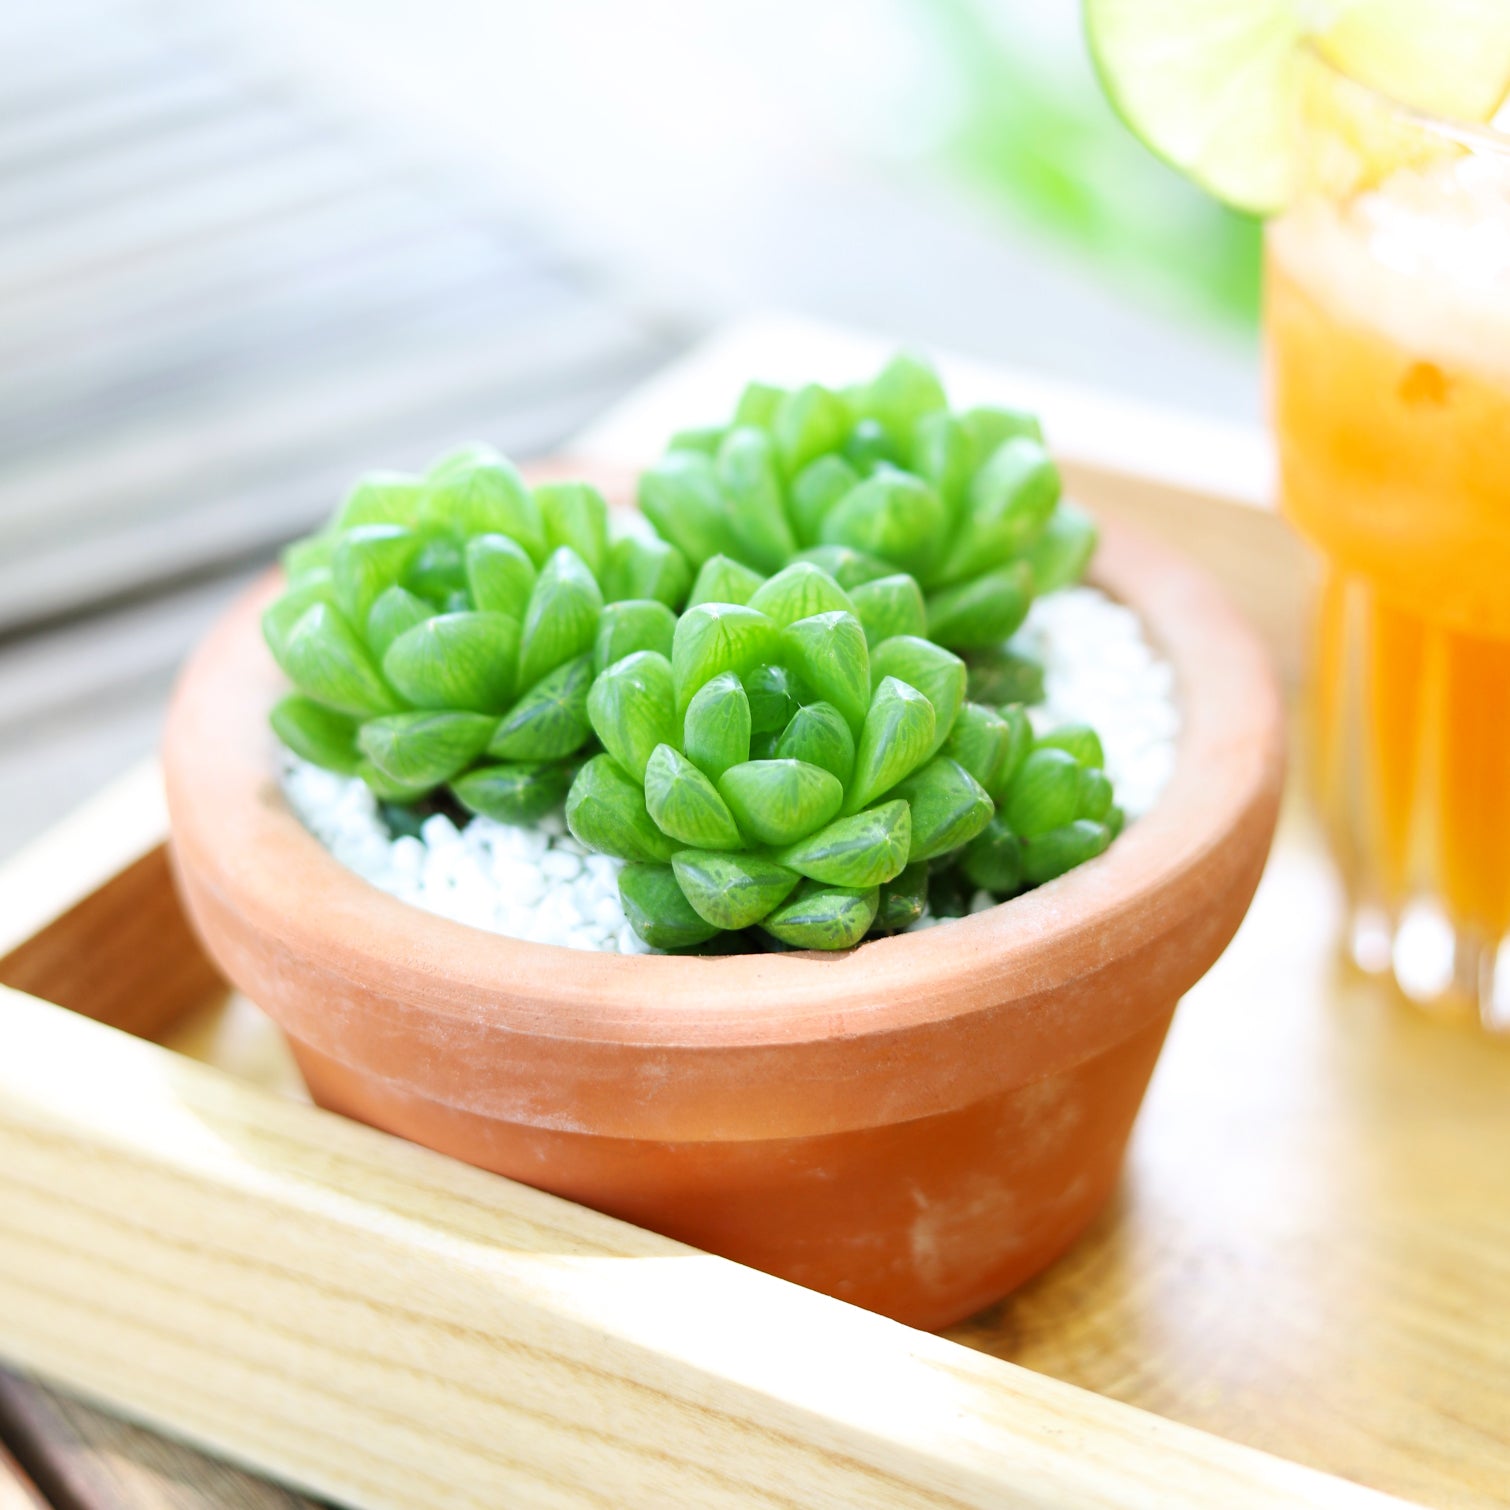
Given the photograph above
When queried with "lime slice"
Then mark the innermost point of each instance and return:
(1207, 84)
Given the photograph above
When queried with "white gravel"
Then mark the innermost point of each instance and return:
(539, 884)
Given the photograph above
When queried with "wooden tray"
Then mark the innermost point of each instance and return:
(1305, 1281)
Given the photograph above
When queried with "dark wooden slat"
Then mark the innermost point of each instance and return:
(17, 1492)
(41, 585)
(383, 306)
(195, 450)
(175, 163)
(61, 255)
(86, 1460)
(106, 120)
(181, 285)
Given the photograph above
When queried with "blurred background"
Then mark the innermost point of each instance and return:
(249, 248)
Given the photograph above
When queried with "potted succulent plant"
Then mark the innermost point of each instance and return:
(781, 713)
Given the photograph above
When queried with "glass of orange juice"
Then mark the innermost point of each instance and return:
(1387, 328)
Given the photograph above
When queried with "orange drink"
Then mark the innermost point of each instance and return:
(1388, 337)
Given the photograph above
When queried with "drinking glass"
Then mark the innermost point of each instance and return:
(1387, 332)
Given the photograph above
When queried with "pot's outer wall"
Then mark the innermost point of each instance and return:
(680, 1050)
(925, 1221)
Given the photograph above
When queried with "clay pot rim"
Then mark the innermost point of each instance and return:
(232, 825)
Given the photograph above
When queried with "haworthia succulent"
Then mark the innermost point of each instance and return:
(731, 890)
(632, 708)
(658, 910)
(780, 801)
(797, 711)
(716, 732)
(550, 721)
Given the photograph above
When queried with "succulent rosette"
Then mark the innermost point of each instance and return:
(444, 631)
(788, 766)
(875, 482)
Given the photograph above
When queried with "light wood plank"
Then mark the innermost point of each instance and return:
(375, 1322)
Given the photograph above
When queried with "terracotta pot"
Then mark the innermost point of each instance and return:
(916, 1126)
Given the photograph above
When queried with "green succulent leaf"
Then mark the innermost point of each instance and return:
(890, 606)
(944, 457)
(900, 395)
(870, 446)
(750, 480)
(380, 498)
(396, 610)
(325, 658)
(514, 792)
(1079, 740)
(1095, 795)
(937, 673)
(550, 721)
(385, 790)
(632, 708)
(993, 860)
(439, 569)
(646, 568)
(828, 653)
(1045, 793)
(484, 495)
(280, 616)
(464, 661)
(1115, 820)
(369, 559)
(704, 438)
(424, 749)
(847, 566)
(629, 625)
(605, 810)
(983, 611)
(778, 802)
(716, 734)
(681, 497)
(731, 890)
(1019, 743)
(816, 916)
(865, 849)
(307, 557)
(819, 734)
(658, 911)
(772, 697)
(317, 733)
(758, 404)
(721, 579)
(949, 807)
(903, 899)
(981, 741)
(815, 490)
(1061, 554)
(685, 804)
(1050, 854)
(460, 459)
(1011, 500)
(989, 428)
(713, 638)
(575, 515)
(561, 621)
(897, 737)
(500, 574)
(892, 515)
(1000, 676)
(799, 591)
(808, 423)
